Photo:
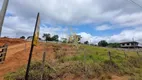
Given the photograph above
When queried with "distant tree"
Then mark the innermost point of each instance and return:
(79, 37)
(86, 42)
(5, 37)
(92, 44)
(74, 38)
(22, 37)
(39, 38)
(114, 45)
(102, 43)
(29, 37)
(47, 37)
(79, 43)
(64, 40)
(55, 38)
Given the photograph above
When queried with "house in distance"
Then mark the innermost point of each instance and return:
(132, 44)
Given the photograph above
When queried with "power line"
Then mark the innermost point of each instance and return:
(135, 3)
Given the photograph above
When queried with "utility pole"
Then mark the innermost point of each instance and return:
(34, 43)
(2, 14)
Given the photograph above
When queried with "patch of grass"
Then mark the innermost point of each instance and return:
(119, 64)
(34, 74)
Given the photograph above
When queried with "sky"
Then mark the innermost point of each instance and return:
(94, 20)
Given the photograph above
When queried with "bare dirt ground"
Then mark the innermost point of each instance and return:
(16, 57)
(10, 41)
(18, 53)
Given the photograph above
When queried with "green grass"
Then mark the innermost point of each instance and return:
(98, 54)
(90, 62)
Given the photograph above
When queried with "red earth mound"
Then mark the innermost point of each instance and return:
(10, 41)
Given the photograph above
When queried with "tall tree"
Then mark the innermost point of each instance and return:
(64, 40)
(47, 37)
(55, 38)
(29, 37)
(79, 37)
(86, 42)
(102, 43)
(22, 37)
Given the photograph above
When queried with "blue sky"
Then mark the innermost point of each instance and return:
(94, 20)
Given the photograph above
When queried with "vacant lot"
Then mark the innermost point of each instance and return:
(69, 62)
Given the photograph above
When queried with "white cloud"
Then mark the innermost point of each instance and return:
(74, 11)
(103, 27)
(90, 38)
(129, 19)
(125, 35)
(15, 27)
(85, 36)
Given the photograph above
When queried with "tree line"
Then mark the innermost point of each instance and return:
(102, 43)
(47, 37)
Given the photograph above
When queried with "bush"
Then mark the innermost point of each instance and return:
(102, 43)
(114, 45)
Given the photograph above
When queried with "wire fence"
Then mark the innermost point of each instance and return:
(63, 66)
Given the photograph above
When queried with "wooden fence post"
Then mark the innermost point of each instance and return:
(125, 54)
(138, 53)
(96, 53)
(3, 53)
(25, 47)
(5, 50)
(85, 68)
(43, 64)
(109, 54)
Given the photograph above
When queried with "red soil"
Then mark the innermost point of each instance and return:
(18, 54)
(10, 41)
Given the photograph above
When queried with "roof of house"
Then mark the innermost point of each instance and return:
(128, 42)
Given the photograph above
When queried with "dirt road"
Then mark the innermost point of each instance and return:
(16, 57)
(18, 54)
